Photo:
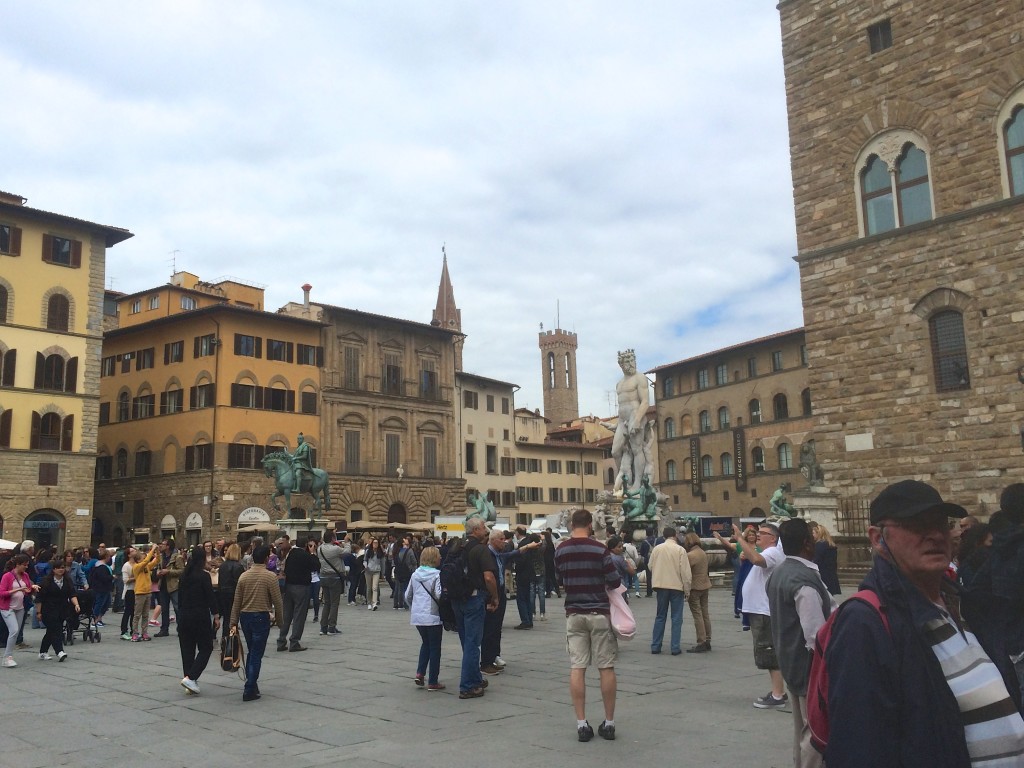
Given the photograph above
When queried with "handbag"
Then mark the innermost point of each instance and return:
(623, 623)
(231, 651)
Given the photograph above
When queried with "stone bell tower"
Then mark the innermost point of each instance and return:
(558, 372)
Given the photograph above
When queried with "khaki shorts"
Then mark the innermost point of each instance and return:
(589, 639)
(764, 648)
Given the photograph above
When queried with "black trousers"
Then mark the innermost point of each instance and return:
(225, 599)
(128, 603)
(195, 638)
(490, 647)
(54, 637)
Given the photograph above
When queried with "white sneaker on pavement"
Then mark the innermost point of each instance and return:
(45, 657)
(9, 661)
(499, 662)
(190, 685)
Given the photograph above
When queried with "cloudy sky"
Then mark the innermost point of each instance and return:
(624, 161)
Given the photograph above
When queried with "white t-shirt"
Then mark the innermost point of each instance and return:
(755, 595)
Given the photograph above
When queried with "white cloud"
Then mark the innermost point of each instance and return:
(629, 161)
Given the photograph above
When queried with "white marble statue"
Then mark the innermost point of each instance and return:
(634, 434)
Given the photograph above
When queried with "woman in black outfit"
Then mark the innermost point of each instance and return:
(196, 603)
(54, 603)
(227, 580)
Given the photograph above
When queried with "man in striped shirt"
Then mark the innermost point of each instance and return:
(584, 566)
(918, 689)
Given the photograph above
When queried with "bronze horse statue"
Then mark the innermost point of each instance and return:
(278, 465)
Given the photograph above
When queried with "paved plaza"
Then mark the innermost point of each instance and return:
(351, 698)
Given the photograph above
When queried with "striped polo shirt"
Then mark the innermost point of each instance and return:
(585, 567)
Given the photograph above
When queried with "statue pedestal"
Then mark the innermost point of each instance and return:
(298, 527)
(819, 504)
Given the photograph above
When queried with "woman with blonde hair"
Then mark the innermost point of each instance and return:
(699, 589)
(826, 558)
(227, 579)
(422, 595)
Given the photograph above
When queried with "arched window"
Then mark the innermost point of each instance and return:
(949, 351)
(3, 303)
(781, 407)
(705, 421)
(122, 463)
(670, 470)
(757, 459)
(706, 469)
(58, 313)
(568, 372)
(53, 372)
(687, 470)
(668, 387)
(551, 370)
(49, 432)
(670, 427)
(396, 513)
(726, 462)
(723, 418)
(123, 411)
(755, 411)
(805, 400)
(1013, 136)
(785, 456)
(895, 189)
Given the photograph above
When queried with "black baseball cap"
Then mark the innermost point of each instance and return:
(910, 498)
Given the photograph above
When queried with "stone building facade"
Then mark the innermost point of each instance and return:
(389, 436)
(197, 385)
(52, 270)
(731, 424)
(558, 373)
(488, 441)
(907, 152)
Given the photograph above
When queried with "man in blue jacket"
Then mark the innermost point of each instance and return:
(922, 691)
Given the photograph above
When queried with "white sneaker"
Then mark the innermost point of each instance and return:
(499, 662)
(543, 617)
(9, 661)
(190, 685)
(45, 657)
(638, 594)
(369, 607)
(61, 656)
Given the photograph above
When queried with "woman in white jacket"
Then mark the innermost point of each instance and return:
(422, 597)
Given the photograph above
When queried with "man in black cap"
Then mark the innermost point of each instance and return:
(916, 689)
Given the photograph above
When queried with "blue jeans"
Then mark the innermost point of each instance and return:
(101, 605)
(537, 593)
(469, 615)
(668, 598)
(524, 599)
(430, 651)
(256, 628)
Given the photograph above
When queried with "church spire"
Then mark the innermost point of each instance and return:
(446, 313)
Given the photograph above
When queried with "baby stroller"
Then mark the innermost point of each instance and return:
(82, 621)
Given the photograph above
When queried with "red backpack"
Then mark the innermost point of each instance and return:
(817, 681)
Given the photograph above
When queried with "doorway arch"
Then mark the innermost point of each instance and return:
(46, 527)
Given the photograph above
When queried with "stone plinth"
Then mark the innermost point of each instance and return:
(817, 503)
(297, 527)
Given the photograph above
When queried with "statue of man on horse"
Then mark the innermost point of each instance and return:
(294, 473)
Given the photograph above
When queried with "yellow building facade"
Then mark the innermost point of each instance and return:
(197, 384)
(51, 317)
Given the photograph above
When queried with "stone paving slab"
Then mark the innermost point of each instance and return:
(351, 697)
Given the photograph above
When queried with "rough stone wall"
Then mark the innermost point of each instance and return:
(561, 403)
(867, 300)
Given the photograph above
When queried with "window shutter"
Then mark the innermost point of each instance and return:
(192, 398)
(238, 344)
(167, 354)
(76, 253)
(37, 422)
(48, 248)
(259, 346)
(211, 394)
(190, 457)
(40, 365)
(15, 241)
(135, 407)
(195, 347)
(163, 402)
(67, 433)
(235, 395)
(291, 352)
(71, 375)
(5, 428)
(260, 399)
(320, 357)
(7, 377)
(290, 401)
(258, 453)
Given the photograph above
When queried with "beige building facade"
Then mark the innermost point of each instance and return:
(389, 433)
(198, 384)
(488, 444)
(52, 269)
(731, 424)
(907, 150)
